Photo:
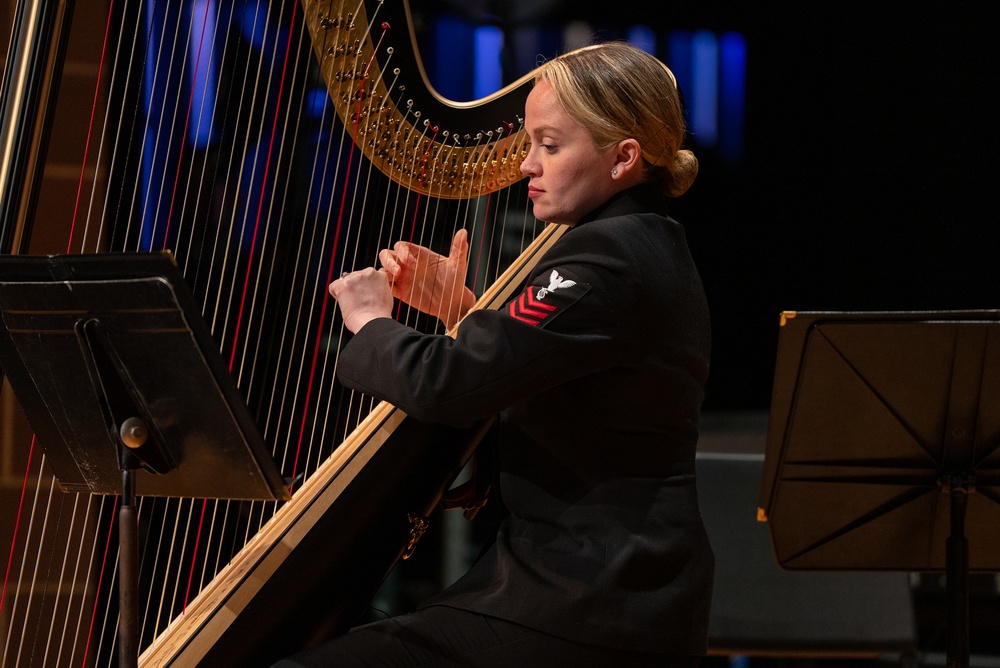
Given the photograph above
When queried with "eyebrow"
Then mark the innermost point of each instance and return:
(542, 130)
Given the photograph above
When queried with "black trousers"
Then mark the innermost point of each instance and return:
(447, 637)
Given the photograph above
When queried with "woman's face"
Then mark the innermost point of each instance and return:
(568, 177)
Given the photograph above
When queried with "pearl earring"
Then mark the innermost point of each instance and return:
(614, 172)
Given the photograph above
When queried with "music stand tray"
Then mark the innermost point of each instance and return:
(128, 395)
(88, 341)
(883, 448)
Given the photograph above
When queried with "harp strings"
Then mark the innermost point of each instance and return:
(87, 569)
(219, 511)
(196, 204)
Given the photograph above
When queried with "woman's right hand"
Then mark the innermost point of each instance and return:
(431, 282)
(362, 296)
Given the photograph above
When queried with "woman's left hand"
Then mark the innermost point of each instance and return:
(362, 296)
(430, 282)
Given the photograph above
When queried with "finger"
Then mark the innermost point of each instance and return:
(336, 287)
(459, 243)
(405, 253)
(411, 255)
(389, 261)
(370, 276)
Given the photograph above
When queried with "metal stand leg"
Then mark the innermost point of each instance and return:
(957, 583)
(128, 575)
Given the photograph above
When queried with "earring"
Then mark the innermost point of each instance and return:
(614, 171)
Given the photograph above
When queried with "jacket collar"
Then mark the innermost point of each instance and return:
(643, 198)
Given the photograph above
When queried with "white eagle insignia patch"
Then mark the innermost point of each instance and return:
(555, 283)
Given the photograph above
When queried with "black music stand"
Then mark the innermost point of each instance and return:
(883, 450)
(126, 390)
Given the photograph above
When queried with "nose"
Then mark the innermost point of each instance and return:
(529, 167)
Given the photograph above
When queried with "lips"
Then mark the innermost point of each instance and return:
(534, 192)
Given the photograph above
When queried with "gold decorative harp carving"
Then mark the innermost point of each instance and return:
(262, 195)
(408, 141)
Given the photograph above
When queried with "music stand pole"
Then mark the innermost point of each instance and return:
(132, 435)
(957, 574)
(128, 572)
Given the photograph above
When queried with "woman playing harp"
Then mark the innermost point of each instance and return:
(596, 371)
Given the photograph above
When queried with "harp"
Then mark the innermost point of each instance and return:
(268, 147)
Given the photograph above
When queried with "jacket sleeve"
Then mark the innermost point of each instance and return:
(494, 361)
(562, 326)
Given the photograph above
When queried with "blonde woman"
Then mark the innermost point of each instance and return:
(595, 374)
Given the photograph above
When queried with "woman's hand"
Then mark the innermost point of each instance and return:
(430, 282)
(362, 296)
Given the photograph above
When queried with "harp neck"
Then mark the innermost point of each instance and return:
(417, 138)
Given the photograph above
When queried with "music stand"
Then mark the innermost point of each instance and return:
(126, 391)
(883, 449)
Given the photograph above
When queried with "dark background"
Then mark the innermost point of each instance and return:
(869, 173)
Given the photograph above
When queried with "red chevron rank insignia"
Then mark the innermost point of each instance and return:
(537, 304)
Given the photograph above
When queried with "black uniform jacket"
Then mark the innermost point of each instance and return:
(596, 371)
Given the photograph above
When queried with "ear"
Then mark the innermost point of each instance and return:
(627, 161)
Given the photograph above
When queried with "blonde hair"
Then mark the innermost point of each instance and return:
(616, 91)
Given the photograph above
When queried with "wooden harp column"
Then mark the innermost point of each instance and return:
(30, 86)
(262, 196)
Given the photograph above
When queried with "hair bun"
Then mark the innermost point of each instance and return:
(684, 173)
